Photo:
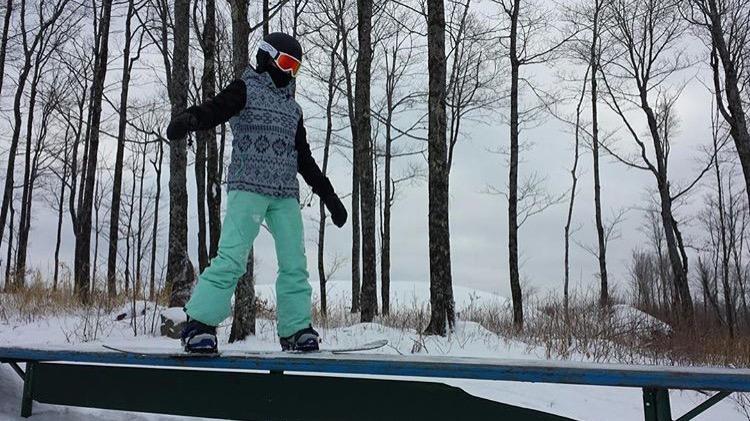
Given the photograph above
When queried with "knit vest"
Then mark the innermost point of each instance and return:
(264, 157)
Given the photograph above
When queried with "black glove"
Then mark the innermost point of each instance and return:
(337, 209)
(180, 125)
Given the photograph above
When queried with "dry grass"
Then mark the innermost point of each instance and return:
(584, 332)
(80, 322)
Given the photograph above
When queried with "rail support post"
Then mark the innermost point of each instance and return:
(656, 404)
(27, 401)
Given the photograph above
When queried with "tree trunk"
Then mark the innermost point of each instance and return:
(356, 229)
(98, 197)
(139, 239)
(515, 282)
(356, 237)
(129, 235)
(9, 259)
(369, 304)
(83, 237)
(243, 323)
(602, 255)
(385, 246)
(58, 236)
(180, 272)
(673, 239)
(266, 18)
(212, 154)
(734, 113)
(202, 138)
(114, 216)
(571, 202)
(15, 137)
(439, 229)
(322, 278)
(723, 246)
(24, 223)
(155, 228)
(4, 40)
(240, 34)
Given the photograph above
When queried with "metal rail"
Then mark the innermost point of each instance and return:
(654, 380)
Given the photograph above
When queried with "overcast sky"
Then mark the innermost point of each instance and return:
(479, 220)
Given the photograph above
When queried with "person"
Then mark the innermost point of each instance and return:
(269, 148)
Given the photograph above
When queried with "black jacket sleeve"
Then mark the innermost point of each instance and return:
(219, 109)
(307, 166)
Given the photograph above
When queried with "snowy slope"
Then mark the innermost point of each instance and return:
(469, 339)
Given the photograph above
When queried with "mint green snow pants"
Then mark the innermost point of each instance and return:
(211, 299)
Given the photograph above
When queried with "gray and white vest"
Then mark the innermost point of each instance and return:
(264, 157)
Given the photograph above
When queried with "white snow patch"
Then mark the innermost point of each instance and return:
(628, 314)
(175, 314)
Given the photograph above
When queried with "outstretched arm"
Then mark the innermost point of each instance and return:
(314, 178)
(219, 109)
(214, 111)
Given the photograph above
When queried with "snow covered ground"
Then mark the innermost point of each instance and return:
(469, 339)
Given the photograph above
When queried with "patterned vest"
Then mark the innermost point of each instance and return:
(264, 158)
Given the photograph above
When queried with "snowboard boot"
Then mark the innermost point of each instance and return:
(199, 338)
(305, 340)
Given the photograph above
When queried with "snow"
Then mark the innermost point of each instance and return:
(175, 314)
(468, 340)
(633, 316)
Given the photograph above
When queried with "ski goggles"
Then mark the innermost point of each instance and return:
(284, 61)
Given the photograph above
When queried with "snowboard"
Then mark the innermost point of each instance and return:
(171, 353)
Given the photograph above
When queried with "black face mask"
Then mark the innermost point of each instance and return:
(280, 79)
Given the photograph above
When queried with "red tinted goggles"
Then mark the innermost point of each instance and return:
(284, 61)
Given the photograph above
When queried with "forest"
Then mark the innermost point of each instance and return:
(392, 90)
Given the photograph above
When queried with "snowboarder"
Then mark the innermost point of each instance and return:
(269, 148)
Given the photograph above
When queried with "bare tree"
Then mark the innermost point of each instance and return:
(157, 164)
(324, 67)
(83, 227)
(527, 20)
(401, 95)
(726, 26)
(243, 321)
(595, 53)
(725, 221)
(4, 40)
(72, 112)
(59, 204)
(588, 19)
(339, 14)
(29, 48)
(573, 190)
(180, 272)
(127, 63)
(363, 145)
(645, 35)
(207, 139)
(442, 315)
(36, 136)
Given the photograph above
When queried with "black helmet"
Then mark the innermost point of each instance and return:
(283, 43)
